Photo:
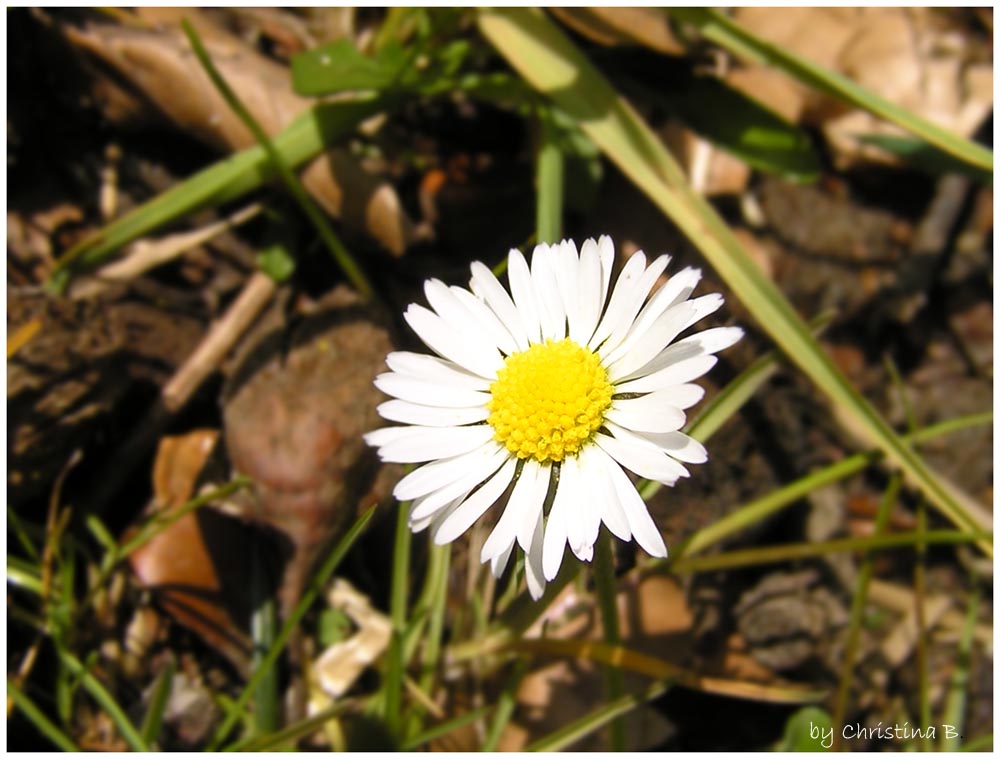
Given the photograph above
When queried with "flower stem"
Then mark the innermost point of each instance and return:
(604, 577)
(397, 611)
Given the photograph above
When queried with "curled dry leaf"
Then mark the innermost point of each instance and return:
(183, 565)
(648, 27)
(902, 54)
(153, 61)
(340, 665)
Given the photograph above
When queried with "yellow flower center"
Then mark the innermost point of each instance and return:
(549, 400)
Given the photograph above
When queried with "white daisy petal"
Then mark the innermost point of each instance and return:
(438, 474)
(612, 513)
(642, 458)
(670, 375)
(556, 529)
(650, 413)
(551, 313)
(421, 523)
(676, 290)
(704, 343)
(679, 446)
(429, 393)
(665, 329)
(506, 530)
(533, 560)
(480, 470)
(469, 512)
(606, 252)
(637, 297)
(591, 506)
(703, 306)
(591, 300)
(432, 368)
(620, 302)
(533, 506)
(643, 528)
(567, 268)
(428, 443)
(715, 339)
(478, 357)
(487, 320)
(431, 416)
(576, 520)
(439, 519)
(523, 290)
(499, 562)
(682, 396)
(488, 287)
(447, 306)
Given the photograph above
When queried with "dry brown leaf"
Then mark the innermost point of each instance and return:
(178, 564)
(648, 27)
(152, 61)
(898, 53)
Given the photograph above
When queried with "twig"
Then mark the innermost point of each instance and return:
(148, 254)
(221, 337)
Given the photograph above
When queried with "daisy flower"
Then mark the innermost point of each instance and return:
(549, 392)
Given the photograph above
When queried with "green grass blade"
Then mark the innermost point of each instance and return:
(607, 603)
(726, 33)
(37, 718)
(954, 707)
(153, 720)
(506, 703)
(857, 614)
(399, 591)
(320, 578)
(444, 728)
(105, 700)
(772, 554)
(231, 178)
(548, 181)
(23, 574)
(159, 523)
(776, 500)
(282, 739)
(15, 525)
(549, 61)
(598, 718)
(322, 226)
(263, 621)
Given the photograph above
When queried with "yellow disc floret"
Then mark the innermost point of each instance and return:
(549, 400)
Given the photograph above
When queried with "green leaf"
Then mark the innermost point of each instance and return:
(808, 729)
(339, 67)
(550, 63)
(276, 262)
(726, 117)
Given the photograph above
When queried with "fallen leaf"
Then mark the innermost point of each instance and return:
(178, 564)
(153, 60)
(648, 27)
(903, 54)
